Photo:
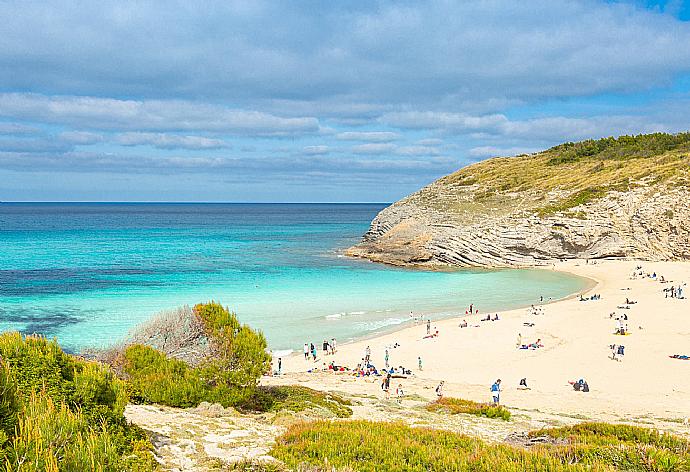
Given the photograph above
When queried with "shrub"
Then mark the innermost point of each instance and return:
(295, 398)
(240, 352)
(69, 412)
(367, 446)
(229, 376)
(9, 404)
(621, 148)
(154, 378)
(455, 406)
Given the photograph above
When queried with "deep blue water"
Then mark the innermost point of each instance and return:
(88, 272)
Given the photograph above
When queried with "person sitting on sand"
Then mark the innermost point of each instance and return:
(523, 384)
(463, 324)
(580, 386)
(488, 318)
(495, 318)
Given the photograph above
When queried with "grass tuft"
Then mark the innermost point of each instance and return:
(456, 406)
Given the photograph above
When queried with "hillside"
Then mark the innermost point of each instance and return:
(613, 197)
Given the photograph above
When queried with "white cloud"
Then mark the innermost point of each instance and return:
(417, 151)
(493, 151)
(315, 150)
(80, 137)
(149, 115)
(169, 141)
(368, 136)
(373, 148)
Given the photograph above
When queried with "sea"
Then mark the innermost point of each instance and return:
(87, 273)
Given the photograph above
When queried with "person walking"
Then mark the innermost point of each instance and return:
(280, 365)
(386, 357)
(428, 327)
(419, 362)
(496, 391)
(306, 351)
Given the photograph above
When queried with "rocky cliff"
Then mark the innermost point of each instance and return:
(612, 198)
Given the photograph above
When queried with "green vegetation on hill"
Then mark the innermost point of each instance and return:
(61, 413)
(367, 446)
(560, 178)
(456, 406)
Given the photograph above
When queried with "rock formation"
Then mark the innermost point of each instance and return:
(537, 209)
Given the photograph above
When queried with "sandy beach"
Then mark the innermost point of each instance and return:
(575, 334)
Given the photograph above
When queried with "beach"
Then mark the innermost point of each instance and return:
(576, 337)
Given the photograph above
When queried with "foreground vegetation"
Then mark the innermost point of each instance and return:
(456, 406)
(367, 446)
(61, 413)
(229, 376)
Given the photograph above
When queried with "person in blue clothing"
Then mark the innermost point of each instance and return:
(496, 391)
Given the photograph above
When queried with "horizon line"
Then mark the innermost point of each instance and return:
(145, 202)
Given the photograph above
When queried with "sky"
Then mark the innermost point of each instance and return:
(306, 101)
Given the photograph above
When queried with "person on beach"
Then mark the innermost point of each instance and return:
(325, 347)
(280, 365)
(313, 351)
(439, 390)
(399, 393)
(367, 355)
(428, 327)
(519, 341)
(496, 391)
(306, 351)
(333, 348)
(419, 363)
(386, 357)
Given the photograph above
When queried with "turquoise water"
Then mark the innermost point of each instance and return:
(87, 273)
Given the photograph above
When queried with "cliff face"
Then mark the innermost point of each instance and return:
(534, 210)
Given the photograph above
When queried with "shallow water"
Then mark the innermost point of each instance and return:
(87, 273)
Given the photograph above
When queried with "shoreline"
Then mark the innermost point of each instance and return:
(576, 337)
(592, 284)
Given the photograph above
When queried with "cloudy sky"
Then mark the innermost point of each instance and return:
(318, 101)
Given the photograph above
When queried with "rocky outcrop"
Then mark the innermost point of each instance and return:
(444, 225)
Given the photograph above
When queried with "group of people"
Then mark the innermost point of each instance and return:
(328, 347)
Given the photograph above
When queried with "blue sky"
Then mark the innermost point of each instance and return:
(318, 101)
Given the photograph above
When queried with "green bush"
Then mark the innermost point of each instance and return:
(455, 406)
(68, 413)
(229, 377)
(621, 148)
(368, 446)
(9, 404)
(241, 356)
(154, 378)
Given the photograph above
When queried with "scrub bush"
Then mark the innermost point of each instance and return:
(457, 405)
(58, 412)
